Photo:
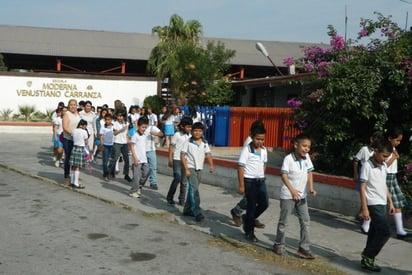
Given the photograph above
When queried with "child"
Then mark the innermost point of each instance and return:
(57, 131)
(120, 146)
(106, 143)
(360, 158)
(374, 195)
(175, 148)
(395, 136)
(241, 206)
(193, 154)
(77, 158)
(296, 175)
(251, 178)
(152, 132)
(140, 166)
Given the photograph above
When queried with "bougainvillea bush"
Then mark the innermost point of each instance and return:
(362, 85)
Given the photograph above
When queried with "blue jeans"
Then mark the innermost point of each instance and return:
(240, 207)
(107, 152)
(257, 202)
(379, 231)
(152, 161)
(301, 208)
(178, 177)
(67, 147)
(192, 204)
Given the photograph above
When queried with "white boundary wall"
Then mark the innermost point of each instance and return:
(44, 91)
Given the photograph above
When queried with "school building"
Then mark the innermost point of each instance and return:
(103, 54)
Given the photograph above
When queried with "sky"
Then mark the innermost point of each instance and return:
(260, 20)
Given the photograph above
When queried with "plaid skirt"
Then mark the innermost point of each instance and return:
(398, 198)
(77, 157)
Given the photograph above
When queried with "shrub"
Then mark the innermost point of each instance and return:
(5, 114)
(27, 112)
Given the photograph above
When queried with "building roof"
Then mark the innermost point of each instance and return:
(120, 45)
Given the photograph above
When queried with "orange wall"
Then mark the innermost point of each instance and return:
(278, 124)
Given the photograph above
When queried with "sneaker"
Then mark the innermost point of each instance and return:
(259, 225)
(57, 163)
(236, 219)
(305, 254)
(139, 191)
(106, 178)
(279, 249)
(129, 179)
(251, 237)
(369, 264)
(134, 195)
(154, 187)
(171, 202)
(199, 218)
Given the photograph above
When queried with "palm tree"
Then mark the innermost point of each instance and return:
(164, 59)
(27, 111)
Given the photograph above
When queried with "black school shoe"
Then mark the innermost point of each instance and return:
(250, 236)
(369, 264)
(199, 218)
(129, 179)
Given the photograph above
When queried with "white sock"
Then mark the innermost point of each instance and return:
(399, 224)
(71, 176)
(365, 225)
(76, 178)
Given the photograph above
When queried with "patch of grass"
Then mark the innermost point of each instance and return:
(317, 266)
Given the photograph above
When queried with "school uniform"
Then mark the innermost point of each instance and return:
(77, 157)
(106, 132)
(141, 171)
(194, 154)
(256, 195)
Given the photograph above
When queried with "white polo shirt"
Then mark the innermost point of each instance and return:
(107, 134)
(375, 178)
(178, 139)
(364, 154)
(253, 162)
(393, 169)
(79, 137)
(297, 171)
(120, 138)
(139, 146)
(150, 139)
(195, 153)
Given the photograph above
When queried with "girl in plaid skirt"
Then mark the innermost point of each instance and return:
(395, 136)
(77, 157)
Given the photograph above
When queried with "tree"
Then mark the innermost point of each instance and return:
(195, 73)
(360, 88)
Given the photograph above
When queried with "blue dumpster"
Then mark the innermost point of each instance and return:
(221, 126)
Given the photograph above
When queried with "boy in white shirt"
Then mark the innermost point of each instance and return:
(193, 154)
(137, 146)
(296, 175)
(106, 143)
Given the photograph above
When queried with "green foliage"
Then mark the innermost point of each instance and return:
(154, 101)
(195, 73)
(2, 65)
(6, 113)
(361, 88)
(27, 112)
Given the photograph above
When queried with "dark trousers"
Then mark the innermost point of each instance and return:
(257, 202)
(67, 147)
(116, 151)
(379, 231)
(178, 177)
(107, 152)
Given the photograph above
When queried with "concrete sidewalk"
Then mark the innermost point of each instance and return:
(334, 236)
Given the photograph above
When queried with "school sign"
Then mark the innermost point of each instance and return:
(44, 91)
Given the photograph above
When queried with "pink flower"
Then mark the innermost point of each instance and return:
(288, 61)
(294, 103)
(309, 67)
(363, 33)
(337, 42)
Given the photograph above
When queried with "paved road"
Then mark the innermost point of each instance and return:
(46, 229)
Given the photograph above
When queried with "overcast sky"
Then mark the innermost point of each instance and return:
(273, 20)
